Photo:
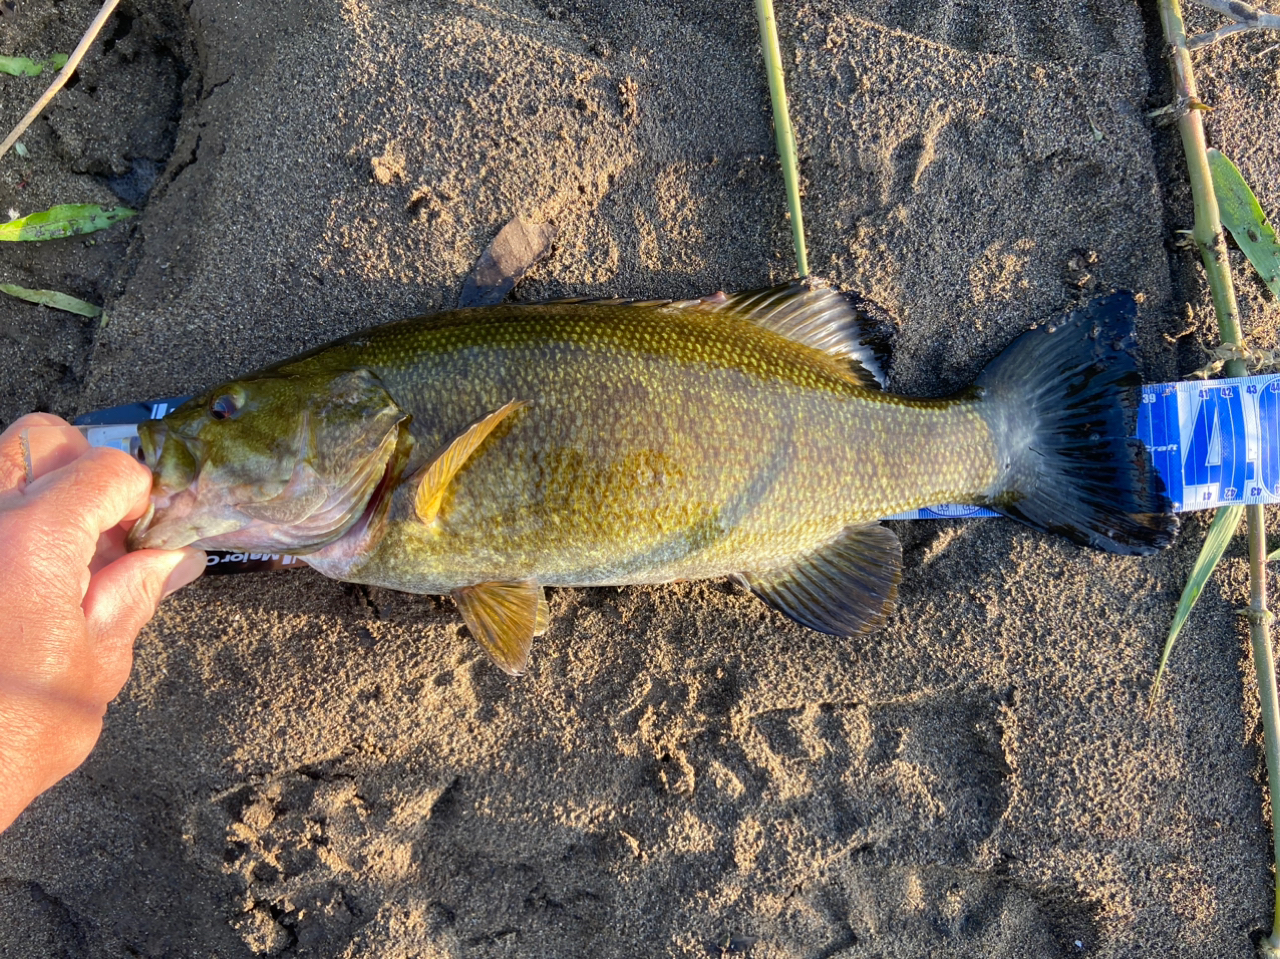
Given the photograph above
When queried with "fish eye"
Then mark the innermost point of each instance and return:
(224, 406)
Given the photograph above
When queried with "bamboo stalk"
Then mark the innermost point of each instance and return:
(1208, 236)
(782, 128)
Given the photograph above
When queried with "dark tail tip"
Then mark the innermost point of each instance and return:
(1062, 402)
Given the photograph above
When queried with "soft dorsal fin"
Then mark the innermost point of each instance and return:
(504, 618)
(845, 588)
(807, 311)
(434, 478)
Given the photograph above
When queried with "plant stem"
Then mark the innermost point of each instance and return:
(1213, 252)
(782, 127)
(1264, 667)
(1207, 231)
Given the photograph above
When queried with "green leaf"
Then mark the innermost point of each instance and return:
(1243, 216)
(1221, 530)
(68, 219)
(58, 301)
(58, 61)
(20, 67)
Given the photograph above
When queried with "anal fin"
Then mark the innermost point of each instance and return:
(846, 587)
(543, 619)
(504, 618)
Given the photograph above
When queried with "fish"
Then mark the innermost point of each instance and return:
(488, 453)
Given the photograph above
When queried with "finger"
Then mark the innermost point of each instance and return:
(111, 546)
(79, 502)
(123, 597)
(47, 448)
(30, 419)
(39, 440)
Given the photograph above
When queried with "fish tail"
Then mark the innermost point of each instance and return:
(1061, 402)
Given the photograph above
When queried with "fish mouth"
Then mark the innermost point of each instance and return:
(167, 523)
(138, 532)
(304, 517)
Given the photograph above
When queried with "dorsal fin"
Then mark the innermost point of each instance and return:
(807, 311)
(434, 478)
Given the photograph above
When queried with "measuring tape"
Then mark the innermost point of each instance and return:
(1213, 442)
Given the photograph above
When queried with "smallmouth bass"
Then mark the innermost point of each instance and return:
(490, 452)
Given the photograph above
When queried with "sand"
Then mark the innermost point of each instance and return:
(303, 768)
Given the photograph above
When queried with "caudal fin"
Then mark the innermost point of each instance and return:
(1061, 401)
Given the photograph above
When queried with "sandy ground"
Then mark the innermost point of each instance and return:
(304, 768)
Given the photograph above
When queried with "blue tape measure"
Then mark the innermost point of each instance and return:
(1213, 442)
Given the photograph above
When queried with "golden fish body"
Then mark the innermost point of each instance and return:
(490, 452)
(657, 444)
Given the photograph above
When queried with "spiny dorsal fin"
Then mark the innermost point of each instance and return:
(437, 474)
(807, 311)
(845, 588)
(504, 618)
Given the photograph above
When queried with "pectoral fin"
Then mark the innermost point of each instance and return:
(845, 588)
(504, 617)
(435, 477)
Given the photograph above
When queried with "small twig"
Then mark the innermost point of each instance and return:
(1243, 16)
(73, 61)
(1254, 360)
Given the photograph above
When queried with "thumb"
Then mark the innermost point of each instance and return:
(123, 596)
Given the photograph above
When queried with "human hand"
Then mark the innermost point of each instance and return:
(72, 600)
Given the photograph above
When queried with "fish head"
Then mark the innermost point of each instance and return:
(272, 463)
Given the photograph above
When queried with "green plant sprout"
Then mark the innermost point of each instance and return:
(1243, 217)
(26, 67)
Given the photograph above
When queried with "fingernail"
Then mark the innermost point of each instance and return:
(187, 571)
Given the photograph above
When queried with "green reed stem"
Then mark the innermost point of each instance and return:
(782, 128)
(1213, 252)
